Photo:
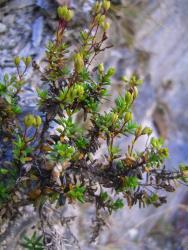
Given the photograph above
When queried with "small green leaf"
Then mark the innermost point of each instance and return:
(3, 171)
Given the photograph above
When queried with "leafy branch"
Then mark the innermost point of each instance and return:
(60, 166)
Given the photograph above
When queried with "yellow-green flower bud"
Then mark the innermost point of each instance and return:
(29, 120)
(78, 62)
(79, 90)
(101, 68)
(147, 131)
(97, 17)
(128, 117)
(111, 72)
(106, 5)
(105, 26)
(100, 19)
(163, 152)
(28, 60)
(97, 7)
(70, 14)
(17, 61)
(135, 93)
(114, 117)
(154, 142)
(184, 170)
(62, 11)
(128, 98)
(38, 121)
(125, 79)
(138, 131)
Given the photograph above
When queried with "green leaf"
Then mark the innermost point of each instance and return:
(8, 99)
(43, 94)
(61, 152)
(157, 143)
(32, 243)
(3, 171)
(82, 143)
(103, 196)
(152, 199)
(131, 182)
(17, 109)
(115, 150)
(6, 77)
(118, 204)
(77, 193)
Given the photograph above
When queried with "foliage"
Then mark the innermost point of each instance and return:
(60, 166)
(33, 243)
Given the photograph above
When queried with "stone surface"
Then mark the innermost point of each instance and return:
(3, 28)
(37, 31)
(20, 4)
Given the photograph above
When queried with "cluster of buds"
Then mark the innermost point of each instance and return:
(114, 117)
(111, 71)
(26, 60)
(32, 121)
(184, 172)
(128, 98)
(78, 62)
(105, 5)
(100, 10)
(143, 131)
(101, 20)
(78, 90)
(147, 131)
(163, 152)
(128, 117)
(134, 81)
(65, 13)
(138, 131)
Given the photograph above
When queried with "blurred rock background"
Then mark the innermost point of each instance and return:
(150, 39)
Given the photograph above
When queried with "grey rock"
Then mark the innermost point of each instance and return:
(43, 4)
(9, 19)
(88, 5)
(20, 4)
(26, 50)
(47, 6)
(37, 31)
(3, 28)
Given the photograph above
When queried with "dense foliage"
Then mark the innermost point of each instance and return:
(48, 155)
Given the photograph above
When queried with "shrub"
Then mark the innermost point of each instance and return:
(39, 164)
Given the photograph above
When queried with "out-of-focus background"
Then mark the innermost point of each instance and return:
(150, 38)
